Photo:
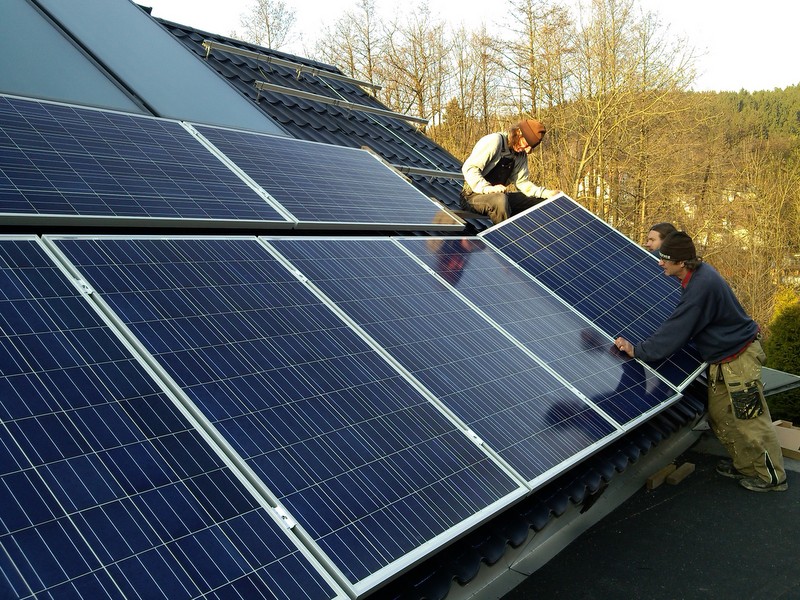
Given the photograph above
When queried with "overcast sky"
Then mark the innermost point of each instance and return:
(744, 44)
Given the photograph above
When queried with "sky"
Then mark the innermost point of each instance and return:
(741, 44)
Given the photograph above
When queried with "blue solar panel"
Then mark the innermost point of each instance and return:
(106, 489)
(602, 274)
(512, 403)
(60, 162)
(321, 184)
(563, 340)
(369, 467)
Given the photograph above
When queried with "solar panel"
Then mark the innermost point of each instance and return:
(561, 339)
(533, 421)
(602, 274)
(374, 473)
(107, 489)
(323, 185)
(68, 165)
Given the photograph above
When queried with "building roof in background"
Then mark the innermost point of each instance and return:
(776, 382)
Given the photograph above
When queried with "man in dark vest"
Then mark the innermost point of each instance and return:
(498, 163)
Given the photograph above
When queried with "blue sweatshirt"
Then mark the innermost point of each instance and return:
(708, 313)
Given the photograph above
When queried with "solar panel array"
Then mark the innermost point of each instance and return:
(78, 165)
(516, 404)
(75, 166)
(386, 394)
(366, 464)
(613, 282)
(287, 417)
(345, 187)
(107, 489)
(561, 339)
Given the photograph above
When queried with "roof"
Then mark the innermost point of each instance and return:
(525, 530)
(777, 382)
(700, 526)
(400, 144)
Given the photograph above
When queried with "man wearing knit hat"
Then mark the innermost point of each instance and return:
(497, 161)
(709, 314)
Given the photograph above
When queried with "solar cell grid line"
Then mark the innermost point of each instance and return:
(107, 487)
(563, 340)
(323, 185)
(62, 164)
(517, 408)
(376, 476)
(605, 276)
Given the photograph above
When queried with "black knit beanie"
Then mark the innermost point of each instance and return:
(677, 247)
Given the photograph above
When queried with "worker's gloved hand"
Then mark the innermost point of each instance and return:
(495, 189)
(552, 193)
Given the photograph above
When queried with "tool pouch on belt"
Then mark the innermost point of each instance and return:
(742, 378)
(746, 401)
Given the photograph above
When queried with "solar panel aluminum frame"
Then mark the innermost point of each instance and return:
(455, 224)
(280, 514)
(100, 223)
(105, 221)
(532, 484)
(623, 428)
(277, 510)
(691, 376)
(264, 86)
(299, 68)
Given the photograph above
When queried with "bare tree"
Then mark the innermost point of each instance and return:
(465, 80)
(622, 99)
(269, 23)
(539, 66)
(754, 221)
(472, 109)
(352, 43)
(416, 63)
(521, 57)
(486, 59)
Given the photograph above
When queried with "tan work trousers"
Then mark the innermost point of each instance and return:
(735, 397)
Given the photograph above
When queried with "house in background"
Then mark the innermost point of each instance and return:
(113, 55)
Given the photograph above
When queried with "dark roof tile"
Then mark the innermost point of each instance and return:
(493, 548)
(538, 516)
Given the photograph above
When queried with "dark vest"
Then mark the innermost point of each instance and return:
(500, 172)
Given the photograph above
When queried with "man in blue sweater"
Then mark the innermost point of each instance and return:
(728, 339)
